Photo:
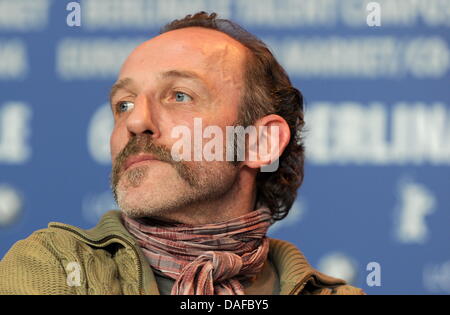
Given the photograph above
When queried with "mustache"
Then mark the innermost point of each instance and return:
(143, 143)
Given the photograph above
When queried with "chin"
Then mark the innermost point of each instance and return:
(138, 207)
(147, 200)
(136, 200)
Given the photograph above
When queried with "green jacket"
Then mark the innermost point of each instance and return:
(108, 261)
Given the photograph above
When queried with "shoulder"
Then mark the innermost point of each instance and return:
(33, 266)
(348, 290)
(337, 290)
(45, 261)
(297, 276)
(48, 242)
(40, 243)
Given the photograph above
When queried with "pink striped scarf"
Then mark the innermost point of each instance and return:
(208, 259)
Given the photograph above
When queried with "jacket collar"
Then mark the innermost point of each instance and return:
(109, 226)
(293, 269)
(295, 272)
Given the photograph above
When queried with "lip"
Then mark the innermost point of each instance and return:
(136, 159)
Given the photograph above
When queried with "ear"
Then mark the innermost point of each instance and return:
(266, 146)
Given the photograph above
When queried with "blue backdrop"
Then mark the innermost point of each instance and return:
(374, 208)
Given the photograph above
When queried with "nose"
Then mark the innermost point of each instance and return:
(140, 120)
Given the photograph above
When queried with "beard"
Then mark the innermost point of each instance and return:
(156, 189)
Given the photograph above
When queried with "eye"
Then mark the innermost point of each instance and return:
(124, 106)
(182, 97)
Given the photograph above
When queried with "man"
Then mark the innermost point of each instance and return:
(192, 220)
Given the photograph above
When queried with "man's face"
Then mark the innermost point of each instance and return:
(165, 83)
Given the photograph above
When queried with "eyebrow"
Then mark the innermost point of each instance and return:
(190, 75)
(174, 74)
(127, 83)
(122, 84)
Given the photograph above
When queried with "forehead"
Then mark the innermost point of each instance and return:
(209, 53)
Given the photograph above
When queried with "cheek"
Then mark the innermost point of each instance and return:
(117, 142)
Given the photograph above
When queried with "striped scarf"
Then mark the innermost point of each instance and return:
(208, 259)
